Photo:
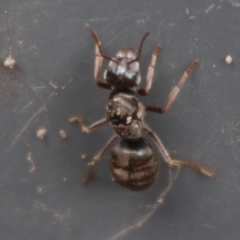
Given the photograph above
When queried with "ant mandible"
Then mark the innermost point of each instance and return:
(133, 162)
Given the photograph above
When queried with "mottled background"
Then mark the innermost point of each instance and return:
(40, 194)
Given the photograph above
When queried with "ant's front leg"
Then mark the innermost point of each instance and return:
(85, 128)
(98, 60)
(150, 73)
(173, 94)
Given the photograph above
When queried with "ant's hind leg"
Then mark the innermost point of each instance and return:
(85, 128)
(92, 164)
(173, 162)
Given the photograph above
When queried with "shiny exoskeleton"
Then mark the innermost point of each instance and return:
(125, 113)
(133, 162)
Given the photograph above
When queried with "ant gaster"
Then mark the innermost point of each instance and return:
(133, 163)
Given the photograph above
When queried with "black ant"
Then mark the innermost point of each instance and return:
(133, 162)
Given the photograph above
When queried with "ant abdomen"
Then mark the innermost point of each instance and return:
(133, 164)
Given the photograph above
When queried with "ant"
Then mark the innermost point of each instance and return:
(133, 162)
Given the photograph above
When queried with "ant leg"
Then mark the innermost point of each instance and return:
(140, 48)
(172, 162)
(92, 164)
(98, 59)
(85, 128)
(173, 94)
(150, 72)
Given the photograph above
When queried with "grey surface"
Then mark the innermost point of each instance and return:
(40, 195)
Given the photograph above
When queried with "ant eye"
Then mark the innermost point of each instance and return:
(130, 56)
(119, 56)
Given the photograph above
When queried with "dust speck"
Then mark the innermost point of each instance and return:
(62, 134)
(41, 133)
(9, 62)
(228, 59)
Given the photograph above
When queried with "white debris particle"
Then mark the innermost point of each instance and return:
(41, 133)
(209, 8)
(228, 59)
(62, 134)
(9, 62)
(54, 86)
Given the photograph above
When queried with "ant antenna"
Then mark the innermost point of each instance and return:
(96, 39)
(140, 48)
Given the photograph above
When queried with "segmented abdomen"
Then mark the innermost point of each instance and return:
(133, 164)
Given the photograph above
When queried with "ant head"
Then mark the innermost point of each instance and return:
(123, 70)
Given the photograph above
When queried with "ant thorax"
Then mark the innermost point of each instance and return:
(125, 113)
(123, 70)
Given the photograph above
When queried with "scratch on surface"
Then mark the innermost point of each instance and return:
(203, 110)
(56, 214)
(96, 19)
(26, 106)
(234, 3)
(122, 16)
(153, 207)
(193, 17)
(209, 8)
(161, 23)
(195, 46)
(32, 167)
(135, 225)
(211, 138)
(116, 36)
(141, 14)
(143, 20)
(38, 88)
(29, 121)
(208, 226)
